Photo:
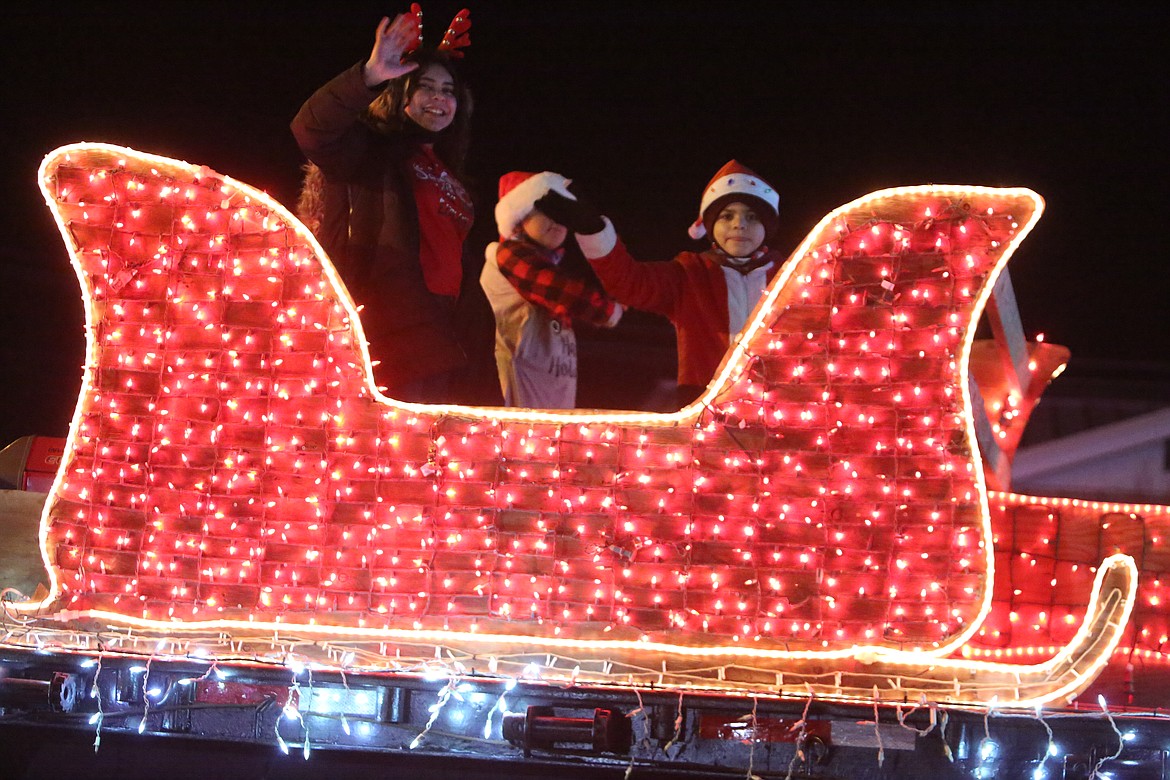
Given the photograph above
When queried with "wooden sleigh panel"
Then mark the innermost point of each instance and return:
(230, 465)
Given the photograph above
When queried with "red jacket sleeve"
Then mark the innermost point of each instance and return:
(655, 286)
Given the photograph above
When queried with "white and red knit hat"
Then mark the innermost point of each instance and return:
(734, 182)
(519, 191)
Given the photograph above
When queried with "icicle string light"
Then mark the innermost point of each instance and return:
(753, 737)
(678, 725)
(230, 465)
(1104, 759)
(801, 729)
(449, 691)
(96, 694)
(1050, 748)
(146, 694)
(635, 715)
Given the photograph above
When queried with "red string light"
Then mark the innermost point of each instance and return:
(230, 461)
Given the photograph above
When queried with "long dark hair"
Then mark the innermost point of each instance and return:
(387, 113)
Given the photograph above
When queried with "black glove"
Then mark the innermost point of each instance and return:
(577, 215)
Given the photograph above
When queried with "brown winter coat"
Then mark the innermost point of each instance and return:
(369, 228)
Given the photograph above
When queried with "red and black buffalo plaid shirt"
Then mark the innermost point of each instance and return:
(541, 282)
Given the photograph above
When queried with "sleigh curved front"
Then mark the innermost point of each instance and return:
(230, 464)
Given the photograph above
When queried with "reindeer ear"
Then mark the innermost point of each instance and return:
(417, 23)
(458, 35)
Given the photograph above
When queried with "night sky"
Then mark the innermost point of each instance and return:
(640, 102)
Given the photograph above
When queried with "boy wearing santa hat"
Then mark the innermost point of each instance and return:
(534, 299)
(706, 295)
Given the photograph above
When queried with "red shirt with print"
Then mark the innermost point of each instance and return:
(445, 214)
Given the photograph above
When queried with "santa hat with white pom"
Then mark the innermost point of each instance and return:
(735, 183)
(519, 191)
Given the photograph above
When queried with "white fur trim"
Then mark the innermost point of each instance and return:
(743, 295)
(598, 244)
(518, 204)
(615, 318)
(697, 229)
(740, 184)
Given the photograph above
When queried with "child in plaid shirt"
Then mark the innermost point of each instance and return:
(708, 295)
(534, 300)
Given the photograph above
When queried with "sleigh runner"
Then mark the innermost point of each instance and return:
(819, 513)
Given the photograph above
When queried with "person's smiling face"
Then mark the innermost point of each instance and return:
(738, 230)
(433, 103)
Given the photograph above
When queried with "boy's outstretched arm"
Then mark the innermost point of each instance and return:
(655, 287)
(562, 295)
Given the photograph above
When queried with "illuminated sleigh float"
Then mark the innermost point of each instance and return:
(818, 518)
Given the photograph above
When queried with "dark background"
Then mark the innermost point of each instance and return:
(640, 102)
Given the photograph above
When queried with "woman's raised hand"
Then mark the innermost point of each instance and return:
(391, 41)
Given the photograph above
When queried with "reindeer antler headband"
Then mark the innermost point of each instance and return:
(457, 37)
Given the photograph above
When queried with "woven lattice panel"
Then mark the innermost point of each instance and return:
(230, 462)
